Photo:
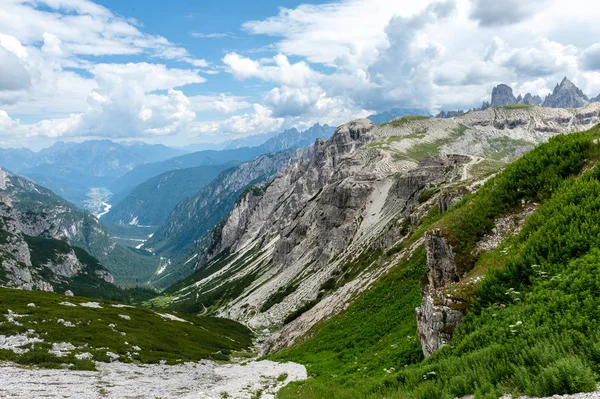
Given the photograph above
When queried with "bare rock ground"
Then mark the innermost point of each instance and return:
(203, 380)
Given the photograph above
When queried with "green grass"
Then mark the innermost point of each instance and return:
(533, 325)
(517, 106)
(427, 149)
(158, 338)
(398, 122)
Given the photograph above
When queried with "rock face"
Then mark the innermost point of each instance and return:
(187, 231)
(502, 95)
(449, 114)
(566, 95)
(32, 257)
(342, 201)
(531, 100)
(438, 315)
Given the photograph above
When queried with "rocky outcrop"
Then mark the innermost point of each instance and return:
(531, 100)
(502, 95)
(436, 321)
(566, 95)
(450, 114)
(441, 268)
(438, 315)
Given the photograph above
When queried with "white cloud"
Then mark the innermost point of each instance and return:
(278, 70)
(84, 28)
(219, 103)
(199, 35)
(494, 13)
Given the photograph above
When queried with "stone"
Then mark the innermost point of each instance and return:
(502, 95)
(69, 293)
(566, 95)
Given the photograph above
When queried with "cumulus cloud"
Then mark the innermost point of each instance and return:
(277, 70)
(223, 103)
(83, 27)
(590, 58)
(492, 13)
(14, 76)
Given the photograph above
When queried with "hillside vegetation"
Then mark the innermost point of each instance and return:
(532, 324)
(54, 331)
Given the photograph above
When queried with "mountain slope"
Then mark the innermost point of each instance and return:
(151, 202)
(287, 139)
(519, 257)
(54, 331)
(296, 252)
(52, 217)
(187, 230)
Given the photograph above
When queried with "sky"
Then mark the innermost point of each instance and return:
(197, 71)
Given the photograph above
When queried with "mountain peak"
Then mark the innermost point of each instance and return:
(566, 95)
(502, 95)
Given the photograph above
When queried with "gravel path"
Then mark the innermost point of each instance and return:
(204, 380)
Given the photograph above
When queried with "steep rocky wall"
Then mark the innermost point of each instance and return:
(438, 315)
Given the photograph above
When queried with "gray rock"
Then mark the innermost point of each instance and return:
(436, 321)
(531, 100)
(69, 293)
(450, 114)
(502, 95)
(566, 95)
(438, 315)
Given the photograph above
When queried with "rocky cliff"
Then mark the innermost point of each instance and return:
(502, 95)
(439, 314)
(566, 95)
(31, 258)
(298, 250)
(186, 232)
(43, 213)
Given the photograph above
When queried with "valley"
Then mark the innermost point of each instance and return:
(418, 257)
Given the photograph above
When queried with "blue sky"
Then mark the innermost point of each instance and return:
(184, 71)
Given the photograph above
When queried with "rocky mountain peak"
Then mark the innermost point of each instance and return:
(354, 130)
(531, 100)
(566, 95)
(502, 95)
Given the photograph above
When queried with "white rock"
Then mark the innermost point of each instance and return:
(125, 317)
(113, 356)
(31, 305)
(84, 356)
(69, 293)
(94, 305)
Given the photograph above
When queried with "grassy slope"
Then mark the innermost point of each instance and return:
(158, 338)
(534, 322)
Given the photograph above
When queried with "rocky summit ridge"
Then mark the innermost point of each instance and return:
(296, 250)
(565, 95)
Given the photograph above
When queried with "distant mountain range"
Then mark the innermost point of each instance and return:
(151, 202)
(72, 169)
(284, 140)
(564, 95)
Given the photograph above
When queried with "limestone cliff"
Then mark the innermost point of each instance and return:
(299, 249)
